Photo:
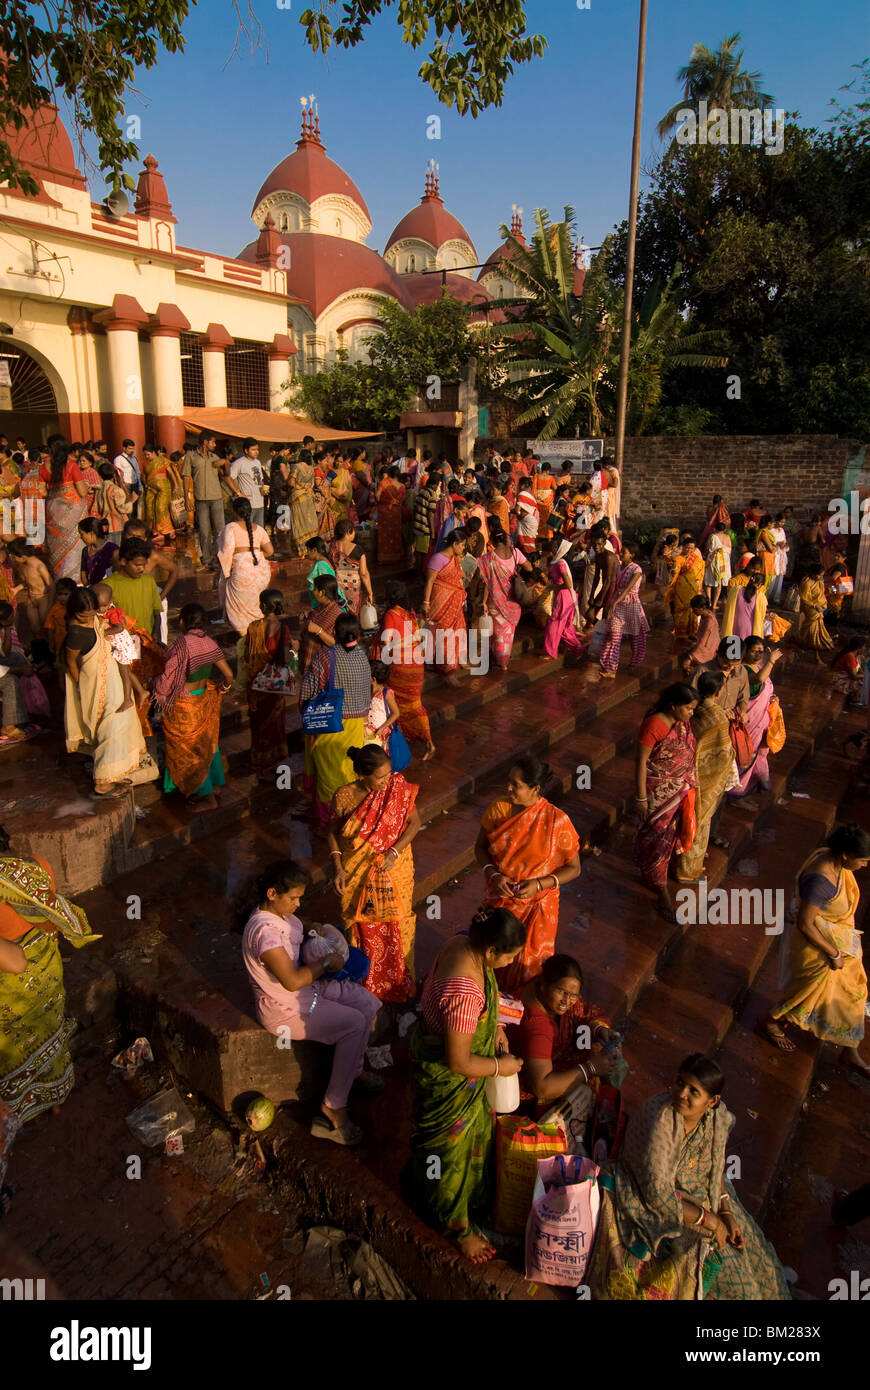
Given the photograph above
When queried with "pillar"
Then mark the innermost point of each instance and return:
(167, 325)
(215, 342)
(279, 353)
(122, 323)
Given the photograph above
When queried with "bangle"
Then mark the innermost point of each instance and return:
(335, 854)
(495, 1059)
(641, 799)
(490, 866)
(580, 1067)
(700, 1220)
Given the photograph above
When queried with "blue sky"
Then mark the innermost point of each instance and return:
(563, 135)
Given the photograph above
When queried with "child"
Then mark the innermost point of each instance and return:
(133, 588)
(56, 621)
(13, 665)
(37, 585)
(383, 710)
(112, 501)
(162, 569)
(125, 647)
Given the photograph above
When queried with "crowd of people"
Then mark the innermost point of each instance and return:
(463, 553)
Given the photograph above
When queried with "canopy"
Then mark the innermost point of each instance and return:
(266, 426)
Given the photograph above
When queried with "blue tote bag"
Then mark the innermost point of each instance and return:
(323, 713)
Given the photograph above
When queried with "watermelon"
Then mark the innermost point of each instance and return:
(260, 1114)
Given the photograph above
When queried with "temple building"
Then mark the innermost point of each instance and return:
(111, 327)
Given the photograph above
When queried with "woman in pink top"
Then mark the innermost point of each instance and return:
(293, 1000)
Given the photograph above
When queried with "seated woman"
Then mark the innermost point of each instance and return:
(295, 1001)
(670, 1225)
(456, 1045)
(848, 668)
(547, 1037)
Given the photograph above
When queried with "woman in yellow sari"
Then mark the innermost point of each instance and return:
(821, 962)
(340, 494)
(811, 631)
(374, 822)
(98, 719)
(161, 480)
(303, 507)
(688, 581)
(36, 1070)
(715, 769)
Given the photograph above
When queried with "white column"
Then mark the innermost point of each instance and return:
(279, 375)
(214, 375)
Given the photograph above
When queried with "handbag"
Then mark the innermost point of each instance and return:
(775, 736)
(324, 713)
(398, 751)
(368, 617)
(275, 680)
(563, 1220)
(741, 743)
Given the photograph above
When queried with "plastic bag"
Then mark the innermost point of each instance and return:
(561, 1227)
(519, 1143)
(162, 1115)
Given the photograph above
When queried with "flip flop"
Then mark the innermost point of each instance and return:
(112, 795)
(348, 1135)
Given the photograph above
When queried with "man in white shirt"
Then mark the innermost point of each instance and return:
(247, 473)
(127, 469)
(528, 516)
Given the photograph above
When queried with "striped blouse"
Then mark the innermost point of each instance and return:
(456, 1002)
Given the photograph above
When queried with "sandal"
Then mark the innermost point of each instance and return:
(348, 1134)
(112, 794)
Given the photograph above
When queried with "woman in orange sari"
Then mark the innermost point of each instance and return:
(544, 488)
(688, 581)
(527, 849)
(391, 497)
(268, 642)
(401, 643)
(374, 822)
(191, 707)
(444, 602)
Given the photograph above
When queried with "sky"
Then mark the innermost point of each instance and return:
(218, 124)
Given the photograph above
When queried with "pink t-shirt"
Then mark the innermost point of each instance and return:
(273, 1004)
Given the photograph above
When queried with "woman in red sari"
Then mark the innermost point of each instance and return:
(191, 706)
(391, 499)
(267, 642)
(444, 602)
(666, 789)
(527, 849)
(401, 643)
(719, 514)
(374, 822)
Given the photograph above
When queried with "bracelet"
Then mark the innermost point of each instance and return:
(700, 1220)
(722, 1200)
(495, 1073)
(490, 866)
(642, 799)
(580, 1067)
(335, 854)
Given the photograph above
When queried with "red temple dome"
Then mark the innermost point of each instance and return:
(309, 172)
(324, 267)
(505, 250)
(44, 148)
(430, 221)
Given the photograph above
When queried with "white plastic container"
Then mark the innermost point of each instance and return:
(503, 1093)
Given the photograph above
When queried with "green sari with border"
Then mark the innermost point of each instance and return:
(453, 1125)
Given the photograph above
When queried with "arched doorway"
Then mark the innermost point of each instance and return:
(28, 404)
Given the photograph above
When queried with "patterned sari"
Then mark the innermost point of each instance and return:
(267, 713)
(158, 517)
(670, 787)
(406, 676)
(244, 575)
(688, 581)
(347, 572)
(303, 510)
(64, 509)
(716, 772)
(828, 1003)
(391, 547)
(322, 494)
(191, 718)
(446, 616)
(498, 575)
(453, 1123)
(531, 843)
(340, 496)
(643, 1251)
(377, 903)
(36, 1070)
(757, 721)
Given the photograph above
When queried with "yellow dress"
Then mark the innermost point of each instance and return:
(828, 1003)
(811, 630)
(688, 581)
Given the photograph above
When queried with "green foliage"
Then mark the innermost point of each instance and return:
(717, 78)
(85, 51)
(411, 348)
(474, 50)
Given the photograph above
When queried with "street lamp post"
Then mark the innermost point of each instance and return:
(625, 346)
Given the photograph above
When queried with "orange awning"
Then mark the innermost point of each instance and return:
(266, 426)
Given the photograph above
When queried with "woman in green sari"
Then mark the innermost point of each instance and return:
(456, 1045)
(670, 1225)
(36, 1071)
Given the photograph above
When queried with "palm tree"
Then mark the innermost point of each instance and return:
(662, 340)
(718, 79)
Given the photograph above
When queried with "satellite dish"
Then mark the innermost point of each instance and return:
(116, 205)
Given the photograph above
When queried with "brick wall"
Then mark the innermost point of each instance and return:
(671, 479)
